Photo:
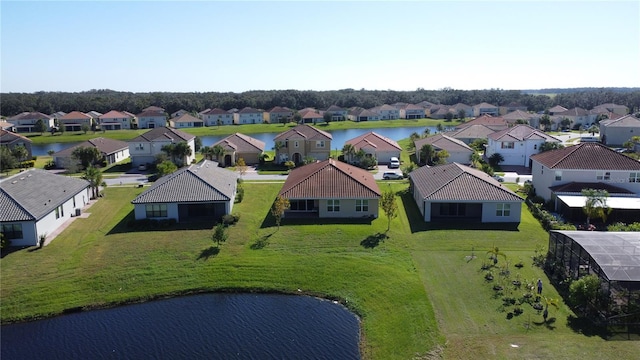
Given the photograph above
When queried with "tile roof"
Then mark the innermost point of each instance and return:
(461, 106)
(7, 137)
(413, 107)
(335, 108)
(518, 115)
(609, 107)
(163, 133)
(473, 132)
(625, 121)
(486, 120)
(521, 133)
(198, 183)
(306, 131)
(113, 114)
(455, 182)
(443, 142)
(586, 156)
(577, 187)
(374, 140)
(76, 115)
(104, 145)
(6, 125)
(425, 104)
(216, 111)
(94, 114)
(34, 115)
(278, 109)
(34, 193)
(186, 118)
(249, 110)
(557, 109)
(128, 113)
(329, 179)
(153, 108)
(151, 113)
(241, 143)
(576, 111)
(484, 105)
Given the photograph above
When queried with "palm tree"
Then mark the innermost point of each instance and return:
(207, 152)
(547, 302)
(94, 177)
(596, 204)
(348, 150)
(181, 151)
(495, 252)
(426, 154)
(218, 151)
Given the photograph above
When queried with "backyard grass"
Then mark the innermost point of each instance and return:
(391, 283)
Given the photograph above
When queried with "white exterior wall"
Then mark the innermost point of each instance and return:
(489, 212)
(29, 234)
(519, 155)
(159, 121)
(250, 118)
(348, 209)
(140, 211)
(389, 114)
(461, 157)
(543, 178)
(385, 156)
(212, 120)
(145, 152)
(618, 135)
(125, 123)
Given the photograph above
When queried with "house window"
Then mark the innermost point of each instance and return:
(634, 177)
(156, 210)
(57, 213)
(320, 144)
(507, 145)
(295, 144)
(333, 205)
(11, 231)
(140, 147)
(503, 209)
(74, 201)
(535, 146)
(362, 205)
(558, 175)
(603, 175)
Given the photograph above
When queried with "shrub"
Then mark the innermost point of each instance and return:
(624, 227)
(50, 165)
(4, 242)
(240, 194)
(28, 164)
(230, 219)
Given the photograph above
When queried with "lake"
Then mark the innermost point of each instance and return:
(339, 138)
(209, 326)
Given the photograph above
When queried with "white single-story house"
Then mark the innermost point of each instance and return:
(454, 192)
(36, 202)
(376, 145)
(201, 191)
(112, 151)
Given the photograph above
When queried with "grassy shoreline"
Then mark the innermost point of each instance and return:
(416, 295)
(246, 129)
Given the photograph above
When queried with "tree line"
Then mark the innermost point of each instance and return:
(106, 100)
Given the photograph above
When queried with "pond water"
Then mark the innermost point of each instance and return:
(339, 138)
(209, 326)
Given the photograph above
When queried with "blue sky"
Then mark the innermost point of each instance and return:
(204, 46)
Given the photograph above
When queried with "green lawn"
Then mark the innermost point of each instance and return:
(390, 284)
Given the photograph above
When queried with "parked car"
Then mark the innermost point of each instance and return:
(394, 163)
(142, 167)
(392, 175)
(499, 178)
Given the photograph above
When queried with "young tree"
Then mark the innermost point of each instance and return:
(290, 164)
(448, 116)
(440, 127)
(441, 157)
(478, 144)
(584, 290)
(181, 151)
(218, 152)
(86, 155)
(219, 234)
(39, 126)
(427, 152)
(207, 152)
(85, 128)
(297, 118)
(7, 160)
(50, 152)
(241, 166)
(389, 206)
(20, 153)
(593, 129)
(495, 159)
(348, 150)
(494, 253)
(197, 143)
(327, 117)
(461, 114)
(565, 123)
(547, 302)
(94, 177)
(277, 210)
(595, 207)
(166, 168)
(545, 122)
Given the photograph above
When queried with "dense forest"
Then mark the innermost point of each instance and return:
(105, 100)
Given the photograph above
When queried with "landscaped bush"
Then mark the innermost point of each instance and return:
(547, 220)
(28, 164)
(624, 227)
(230, 219)
(50, 165)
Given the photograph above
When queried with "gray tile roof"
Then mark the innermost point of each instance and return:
(8, 137)
(455, 182)
(375, 140)
(104, 145)
(625, 121)
(521, 133)
(472, 132)
(241, 143)
(186, 118)
(163, 133)
(32, 194)
(203, 182)
(443, 142)
(306, 131)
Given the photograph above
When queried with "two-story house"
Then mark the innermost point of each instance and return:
(577, 116)
(337, 113)
(412, 111)
(618, 131)
(26, 121)
(216, 117)
(387, 112)
(115, 120)
(517, 144)
(486, 109)
(511, 107)
(11, 140)
(457, 108)
(279, 115)
(358, 114)
(610, 107)
(75, 121)
(144, 148)
(300, 142)
(151, 119)
(248, 115)
(560, 175)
